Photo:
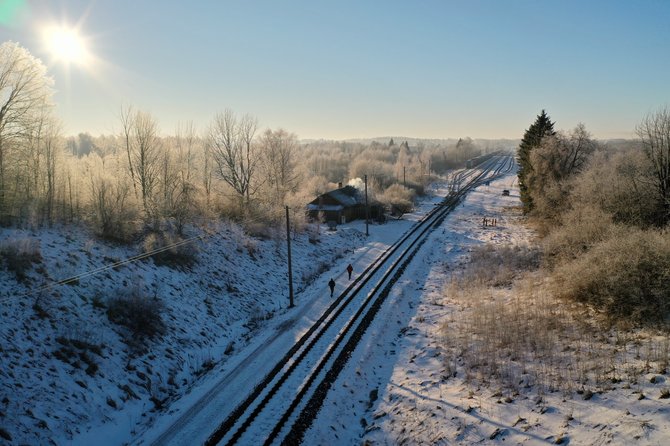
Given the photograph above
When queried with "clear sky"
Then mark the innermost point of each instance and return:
(355, 68)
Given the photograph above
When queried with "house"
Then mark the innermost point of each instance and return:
(343, 205)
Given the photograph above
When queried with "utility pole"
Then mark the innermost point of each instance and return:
(367, 209)
(290, 273)
(404, 183)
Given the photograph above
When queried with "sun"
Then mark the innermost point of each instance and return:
(65, 45)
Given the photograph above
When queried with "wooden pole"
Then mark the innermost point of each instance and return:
(290, 273)
(367, 209)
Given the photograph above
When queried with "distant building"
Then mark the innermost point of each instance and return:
(343, 205)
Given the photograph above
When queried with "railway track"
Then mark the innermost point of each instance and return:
(283, 404)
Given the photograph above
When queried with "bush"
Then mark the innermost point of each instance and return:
(622, 184)
(75, 351)
(113, 212)
(19, 256)
(140, 314)
(398, 198)
(170, 252)
(581, 229)
(627, 276)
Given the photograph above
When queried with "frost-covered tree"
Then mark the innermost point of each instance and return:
(278, 160)
(25, 92)
(231, 146)
(144, 154)
(654, 131)
(557, 159)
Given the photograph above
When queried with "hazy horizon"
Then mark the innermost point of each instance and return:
(353, 70)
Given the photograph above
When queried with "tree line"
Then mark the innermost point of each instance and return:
(603, 211)
(140, 179)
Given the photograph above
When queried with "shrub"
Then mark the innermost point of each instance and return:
(19, 256)
(172, 251)
(627, 276)
(140, 314)
(74, 351)
(113, 212)
(398, 198)
(622, 184)
(581, 229)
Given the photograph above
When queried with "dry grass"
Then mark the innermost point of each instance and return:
(522, 337)
(492, 265)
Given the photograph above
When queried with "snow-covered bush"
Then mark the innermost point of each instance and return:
(622, 184)
(114, 216)
(581, 229)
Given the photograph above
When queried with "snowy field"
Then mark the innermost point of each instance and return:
(412, 381)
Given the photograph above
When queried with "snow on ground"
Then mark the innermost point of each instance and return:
(402, 386)
(405, 386)
(68, 375)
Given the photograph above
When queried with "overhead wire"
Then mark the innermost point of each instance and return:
(95, 271)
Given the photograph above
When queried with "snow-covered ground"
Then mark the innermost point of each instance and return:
(51, 334)
(402, 386)
(69, 376)
(408, 385)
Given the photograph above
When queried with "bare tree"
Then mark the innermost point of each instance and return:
(143, 151)
(236, 157)
(278, 161)
(52, 147)
(25, 90)
(186, 142)
(654, 131)
(147, 158)
(127, 118)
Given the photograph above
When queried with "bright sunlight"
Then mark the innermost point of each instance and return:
(66, 45)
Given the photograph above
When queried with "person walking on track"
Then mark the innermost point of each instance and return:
(331, 284)
(350, 269)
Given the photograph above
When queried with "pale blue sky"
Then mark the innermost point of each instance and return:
(348, 69)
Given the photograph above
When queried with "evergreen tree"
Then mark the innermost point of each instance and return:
(531, 139)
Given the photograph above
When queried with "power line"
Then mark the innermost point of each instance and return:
(101, 269)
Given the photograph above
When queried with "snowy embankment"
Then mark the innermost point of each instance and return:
(68, 375)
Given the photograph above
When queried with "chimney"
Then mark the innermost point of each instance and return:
(339, 185)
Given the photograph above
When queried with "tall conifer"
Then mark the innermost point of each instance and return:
(531, 139)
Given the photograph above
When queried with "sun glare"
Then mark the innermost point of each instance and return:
(65, 45)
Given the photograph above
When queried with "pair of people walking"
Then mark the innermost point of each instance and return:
(331, 283)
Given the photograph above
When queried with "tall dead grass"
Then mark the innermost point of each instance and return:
(521, 337)
(493, 265)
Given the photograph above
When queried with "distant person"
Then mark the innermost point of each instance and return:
(350, 269)
(331, 284)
